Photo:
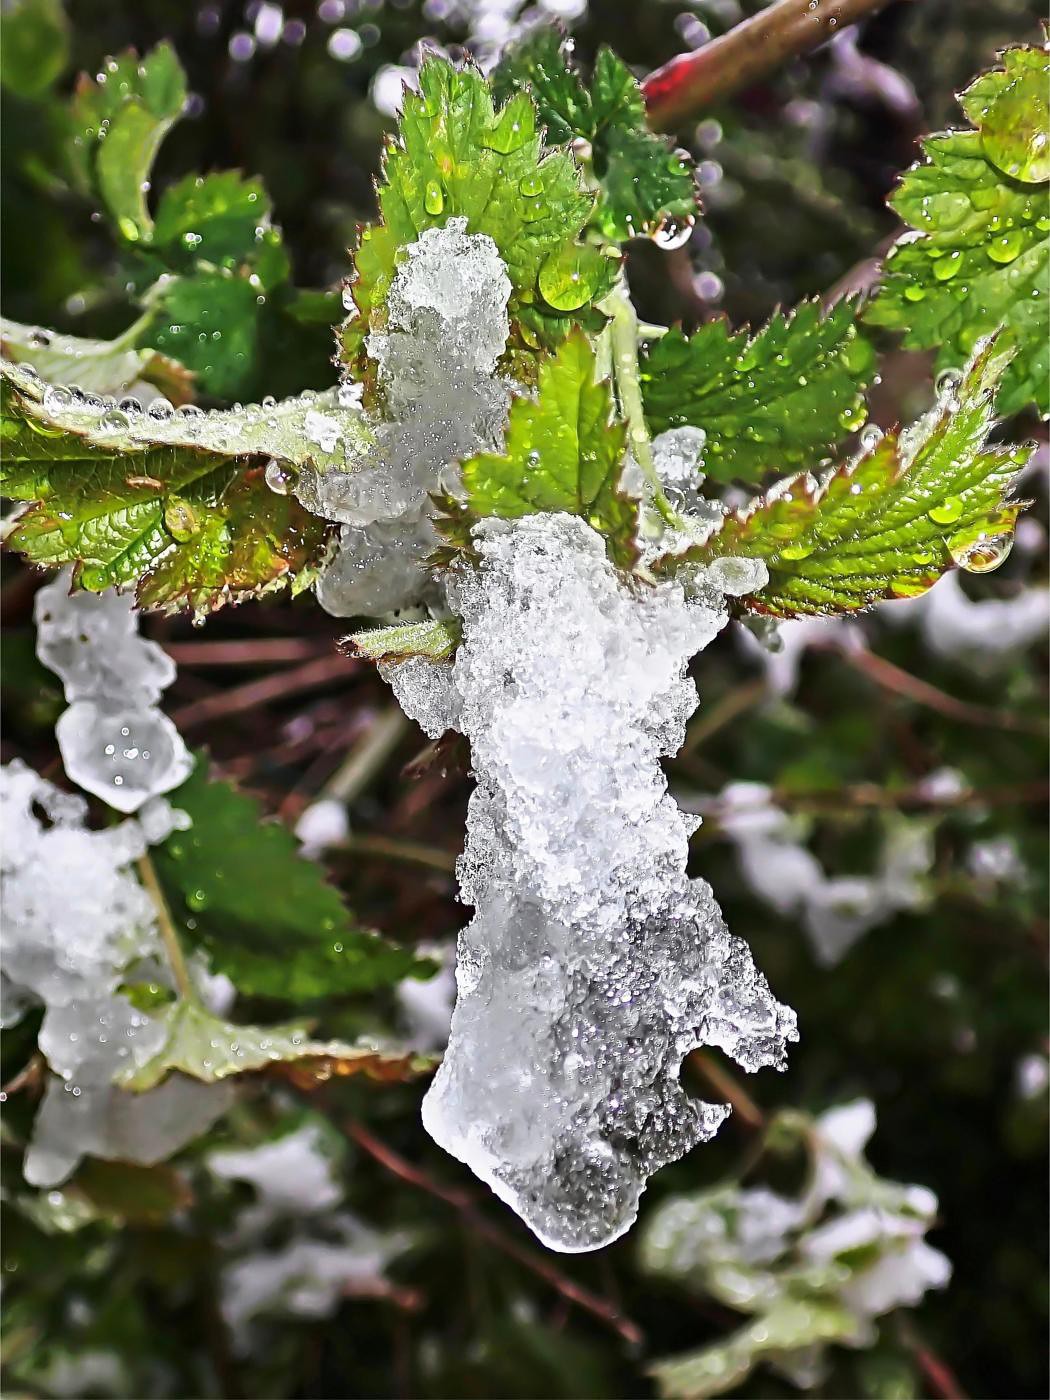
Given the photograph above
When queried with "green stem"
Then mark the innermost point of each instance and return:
(169, 937)
(127, 338)
(623, 339)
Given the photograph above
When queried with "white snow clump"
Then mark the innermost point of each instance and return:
(593, 964)
(446, 328)
(292, 1251)
(835, 911)
(114, 740)
(77, 923)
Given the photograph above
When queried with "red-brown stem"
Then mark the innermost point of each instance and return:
(693, 82)
(602, 1308)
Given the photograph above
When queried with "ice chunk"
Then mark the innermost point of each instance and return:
(676, 457)
(123, 755)
(114, 741)
(92, 641)
(436, 358)
(593, 964)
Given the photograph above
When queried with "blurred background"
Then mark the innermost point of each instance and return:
(894, 889)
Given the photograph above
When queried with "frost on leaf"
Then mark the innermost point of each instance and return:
(593, 964)
(115, 741)
(76, 921)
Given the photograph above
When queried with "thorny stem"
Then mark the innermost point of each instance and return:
(169, 937)
(623, 339)
(694, 82)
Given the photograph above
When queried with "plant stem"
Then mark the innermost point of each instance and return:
(694, 82)
(623, 338)
(170, 938)
(367, 757)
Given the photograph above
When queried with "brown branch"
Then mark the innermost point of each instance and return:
(266, 651)
(324, 670)
(601, 1308)
(694, 82)
(901, 682)
(728, 1088)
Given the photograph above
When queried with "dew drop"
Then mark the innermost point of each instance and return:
(113, 422)
(433, 199)
(980, 555)
(530, 185)
(278, 478)
(56, 398)
(946, 512)
(160, 410)
(870, 437)
(670, 233)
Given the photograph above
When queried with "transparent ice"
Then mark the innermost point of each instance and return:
(114, 740)
(593, 964)
(436, 358)
(75, 920)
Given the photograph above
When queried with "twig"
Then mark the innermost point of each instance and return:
(267, 651)
(367, 758)
(319, 672)
(411, 852)
(598, 1307)
(863, 795)
(694, 82)
(728, 1088)
(901, 682)
(724, 712)
(170, 938)
(936, 1372)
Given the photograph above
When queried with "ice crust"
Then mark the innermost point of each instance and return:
(75, 919)
(593, 963)
(436, 359)
(114, 740)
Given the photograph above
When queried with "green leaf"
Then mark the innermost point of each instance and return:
(96, 366)
(187, 524)
(208, 1048)
(791, 1324)
(436, 640)
(780, 398)
(891, 521)
(224, 309)
(564, 452)
(36, 46)
(118, 121)
(268, 918)
(211, 218)
(456, 156)
(1009, 107)
(125, 1191)
(644, 182)
(978, 253)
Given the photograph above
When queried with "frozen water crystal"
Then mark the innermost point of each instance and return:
(446, 328)
(75, 919)
(114, 741)
(593, 965)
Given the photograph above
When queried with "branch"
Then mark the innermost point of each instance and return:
(694, 82)
(599, 1307)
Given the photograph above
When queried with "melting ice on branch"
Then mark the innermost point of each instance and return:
(593, 964)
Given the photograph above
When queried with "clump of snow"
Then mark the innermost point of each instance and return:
(325, 823)
(426, 1005)
(75, 921)
(446, 327)
(114, 740)
(834, 911)
(593, 964)
(849, 1239)
(293, 1251)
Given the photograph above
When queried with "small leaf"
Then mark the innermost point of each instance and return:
(977, 255)
(456, 156)
(205, 1047)
(891, 521)
(36, 46)
(187, 524)
(210, 218)
(97, 366)
(564, 452)
(436, 640)
(782, 397)
(118, 121)
(791, 1324)
(269, 919)
(644, 182)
